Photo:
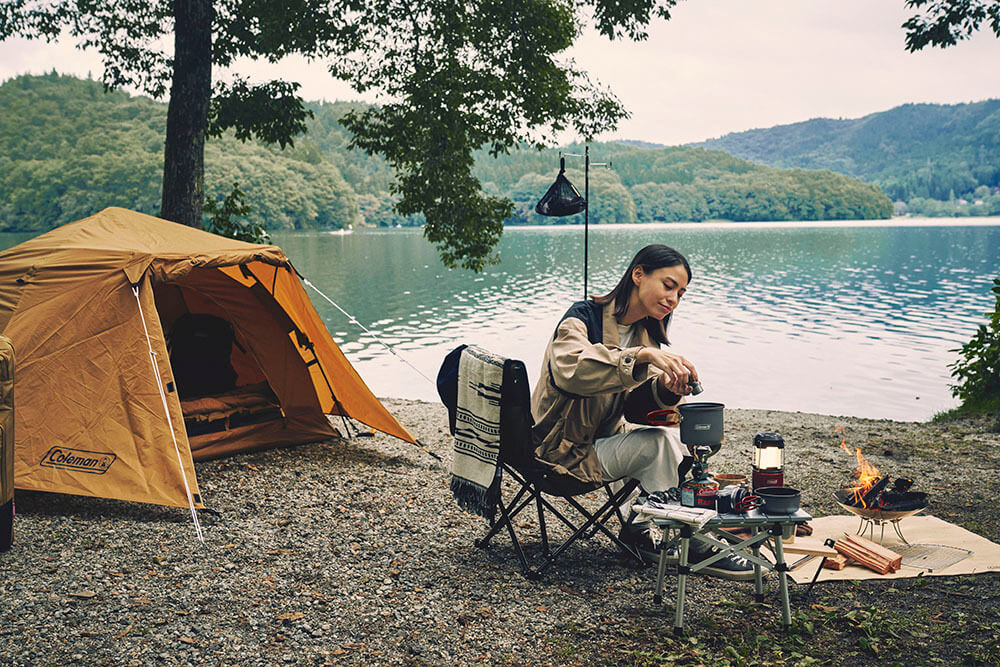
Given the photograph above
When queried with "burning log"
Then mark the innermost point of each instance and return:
(870, 497)
(871, 491)
(894, 501)
(873, 556)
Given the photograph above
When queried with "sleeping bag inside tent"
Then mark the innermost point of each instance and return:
(144, 345)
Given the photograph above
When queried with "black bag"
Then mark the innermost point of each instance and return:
(562, 198)
(200, 348)
(447, 384)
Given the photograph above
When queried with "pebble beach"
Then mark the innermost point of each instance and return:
(353, 552)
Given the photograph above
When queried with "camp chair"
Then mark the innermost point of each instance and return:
(535, 483)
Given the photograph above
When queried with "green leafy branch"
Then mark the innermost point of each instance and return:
(977, 370)
(223, 218)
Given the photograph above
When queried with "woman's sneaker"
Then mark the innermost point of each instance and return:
(636, 535)
(732, 567)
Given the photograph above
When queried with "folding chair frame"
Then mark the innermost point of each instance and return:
(517, 459)
(595, 521)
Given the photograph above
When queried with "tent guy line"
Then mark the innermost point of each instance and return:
(368, 331)
(170, 421)
(353, 319)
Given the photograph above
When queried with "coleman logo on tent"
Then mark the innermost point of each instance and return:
(96, 463)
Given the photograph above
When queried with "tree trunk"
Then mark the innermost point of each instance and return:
(187, 113)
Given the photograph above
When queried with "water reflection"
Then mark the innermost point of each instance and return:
(843, 319)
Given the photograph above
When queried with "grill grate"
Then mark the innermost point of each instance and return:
(930, 557)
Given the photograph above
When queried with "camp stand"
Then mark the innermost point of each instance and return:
(765, 529)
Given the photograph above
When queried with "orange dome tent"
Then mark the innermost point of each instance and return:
(99, 412)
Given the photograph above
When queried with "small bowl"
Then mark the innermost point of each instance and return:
(731, 480)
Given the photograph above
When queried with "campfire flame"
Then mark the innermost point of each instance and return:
(867, 475)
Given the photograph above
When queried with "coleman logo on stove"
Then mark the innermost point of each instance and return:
(95, 463)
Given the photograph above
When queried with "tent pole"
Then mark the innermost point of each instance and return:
(586, 216)
(170, 422)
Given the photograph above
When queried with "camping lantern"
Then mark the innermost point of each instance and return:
(768, 460)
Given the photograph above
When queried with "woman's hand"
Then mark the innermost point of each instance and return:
(678, 373)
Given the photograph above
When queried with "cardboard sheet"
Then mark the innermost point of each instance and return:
(918, 530)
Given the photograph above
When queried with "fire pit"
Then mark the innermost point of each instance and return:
(878, 516)
(877, 505)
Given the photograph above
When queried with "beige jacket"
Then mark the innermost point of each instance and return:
(587, 384)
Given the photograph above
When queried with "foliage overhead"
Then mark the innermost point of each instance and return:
(453, 75)
(946, 22)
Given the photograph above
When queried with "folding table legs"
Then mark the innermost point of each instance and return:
(682, 575)
(753, 545)
(758, 575)
(781, 567)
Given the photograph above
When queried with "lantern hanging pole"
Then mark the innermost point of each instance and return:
(586, 210)
(586, 216)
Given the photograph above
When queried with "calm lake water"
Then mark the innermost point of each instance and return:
(836, 318)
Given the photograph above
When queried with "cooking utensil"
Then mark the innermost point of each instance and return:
(779, 499)
(664, 417)
(701, 424)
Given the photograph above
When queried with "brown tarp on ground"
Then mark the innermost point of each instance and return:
(78, 304)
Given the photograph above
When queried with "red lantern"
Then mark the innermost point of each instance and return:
(768, 460)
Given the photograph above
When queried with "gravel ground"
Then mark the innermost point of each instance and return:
(353, 552)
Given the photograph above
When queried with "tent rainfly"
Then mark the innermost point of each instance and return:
(144, 345)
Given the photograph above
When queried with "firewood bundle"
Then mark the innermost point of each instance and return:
(865, 552)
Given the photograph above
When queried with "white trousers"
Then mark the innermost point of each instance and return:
(649, 454)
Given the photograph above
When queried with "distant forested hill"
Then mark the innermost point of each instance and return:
(68, 149)
(912, 152)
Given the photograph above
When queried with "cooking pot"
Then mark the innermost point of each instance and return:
(701, 424)
(779, 499)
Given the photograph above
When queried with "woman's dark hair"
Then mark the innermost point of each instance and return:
(650, 258)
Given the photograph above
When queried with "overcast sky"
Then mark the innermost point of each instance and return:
(717, 66)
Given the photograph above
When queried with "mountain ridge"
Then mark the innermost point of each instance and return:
(914, 150)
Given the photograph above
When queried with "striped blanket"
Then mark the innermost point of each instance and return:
(475, 472)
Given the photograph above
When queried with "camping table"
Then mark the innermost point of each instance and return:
(764, 528)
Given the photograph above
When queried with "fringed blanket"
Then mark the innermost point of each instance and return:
(475, 473)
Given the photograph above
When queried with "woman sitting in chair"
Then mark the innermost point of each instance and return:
(605, 363)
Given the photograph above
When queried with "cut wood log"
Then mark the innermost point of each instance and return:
(811, 547)
(838, 562)
(864, 558)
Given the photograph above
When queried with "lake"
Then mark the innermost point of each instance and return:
(838, 318)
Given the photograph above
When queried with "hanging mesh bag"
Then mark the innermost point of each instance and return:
(561, 198)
